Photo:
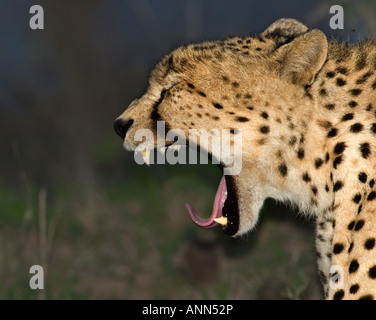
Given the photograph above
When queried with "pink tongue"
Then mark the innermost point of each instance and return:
(220, 198)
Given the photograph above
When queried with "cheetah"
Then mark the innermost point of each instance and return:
(306, 108)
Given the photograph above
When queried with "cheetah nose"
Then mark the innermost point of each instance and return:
(122, 126)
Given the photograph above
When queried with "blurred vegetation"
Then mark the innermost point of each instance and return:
(72, 200)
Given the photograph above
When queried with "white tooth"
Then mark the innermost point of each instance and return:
(221, 220)
(226, 193)
(146, 156)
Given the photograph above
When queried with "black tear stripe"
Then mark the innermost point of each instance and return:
(231, 207)
(155, 116)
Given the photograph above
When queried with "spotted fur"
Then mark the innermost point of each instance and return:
(307, 111)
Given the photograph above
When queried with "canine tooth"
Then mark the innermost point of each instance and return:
(221, 220)
(146, 156)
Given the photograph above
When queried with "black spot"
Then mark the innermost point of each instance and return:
(241, 119)
(354, 288)
(300, 153)
(356, 127)
(235, 84)
(350, 247)
(356, 198)
(351, 225)
(348, 116)
(217, 106)
(325, 124)
(353, 104)
(339, 148)
(342, 70)
(326, 188)
(373, 127)
(330, 106)
(282, 170)
(371, 196)
(337, 186)
(360, 209)
(323, 92)
(372, 272)
(225, 79)
(264, 129)
(374, 85)
(370, 243)
(365, 150)
(366, 297)
(340, 82)
(337, 161)
(264, 115)
(190, 85)
(330, 74)
(372, 183)
(354, 265)
(332, 133)
(250, 108)
(359, 225)
(355, 92)
(326, 157)
(320, 237)
(306, 177)
(338, 248)
(362, 177)
(201, 93)
(364, 78)
(318, 163)
(369, 107)
(339, 295)
(292, 141)
(314, 190)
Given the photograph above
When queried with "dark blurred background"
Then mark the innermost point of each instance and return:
(73, 201)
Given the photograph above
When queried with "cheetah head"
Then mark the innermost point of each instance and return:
(225, 85)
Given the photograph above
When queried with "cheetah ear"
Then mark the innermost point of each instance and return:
(302, 58)
(285, 28)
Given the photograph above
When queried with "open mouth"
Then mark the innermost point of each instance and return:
(225, 208)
